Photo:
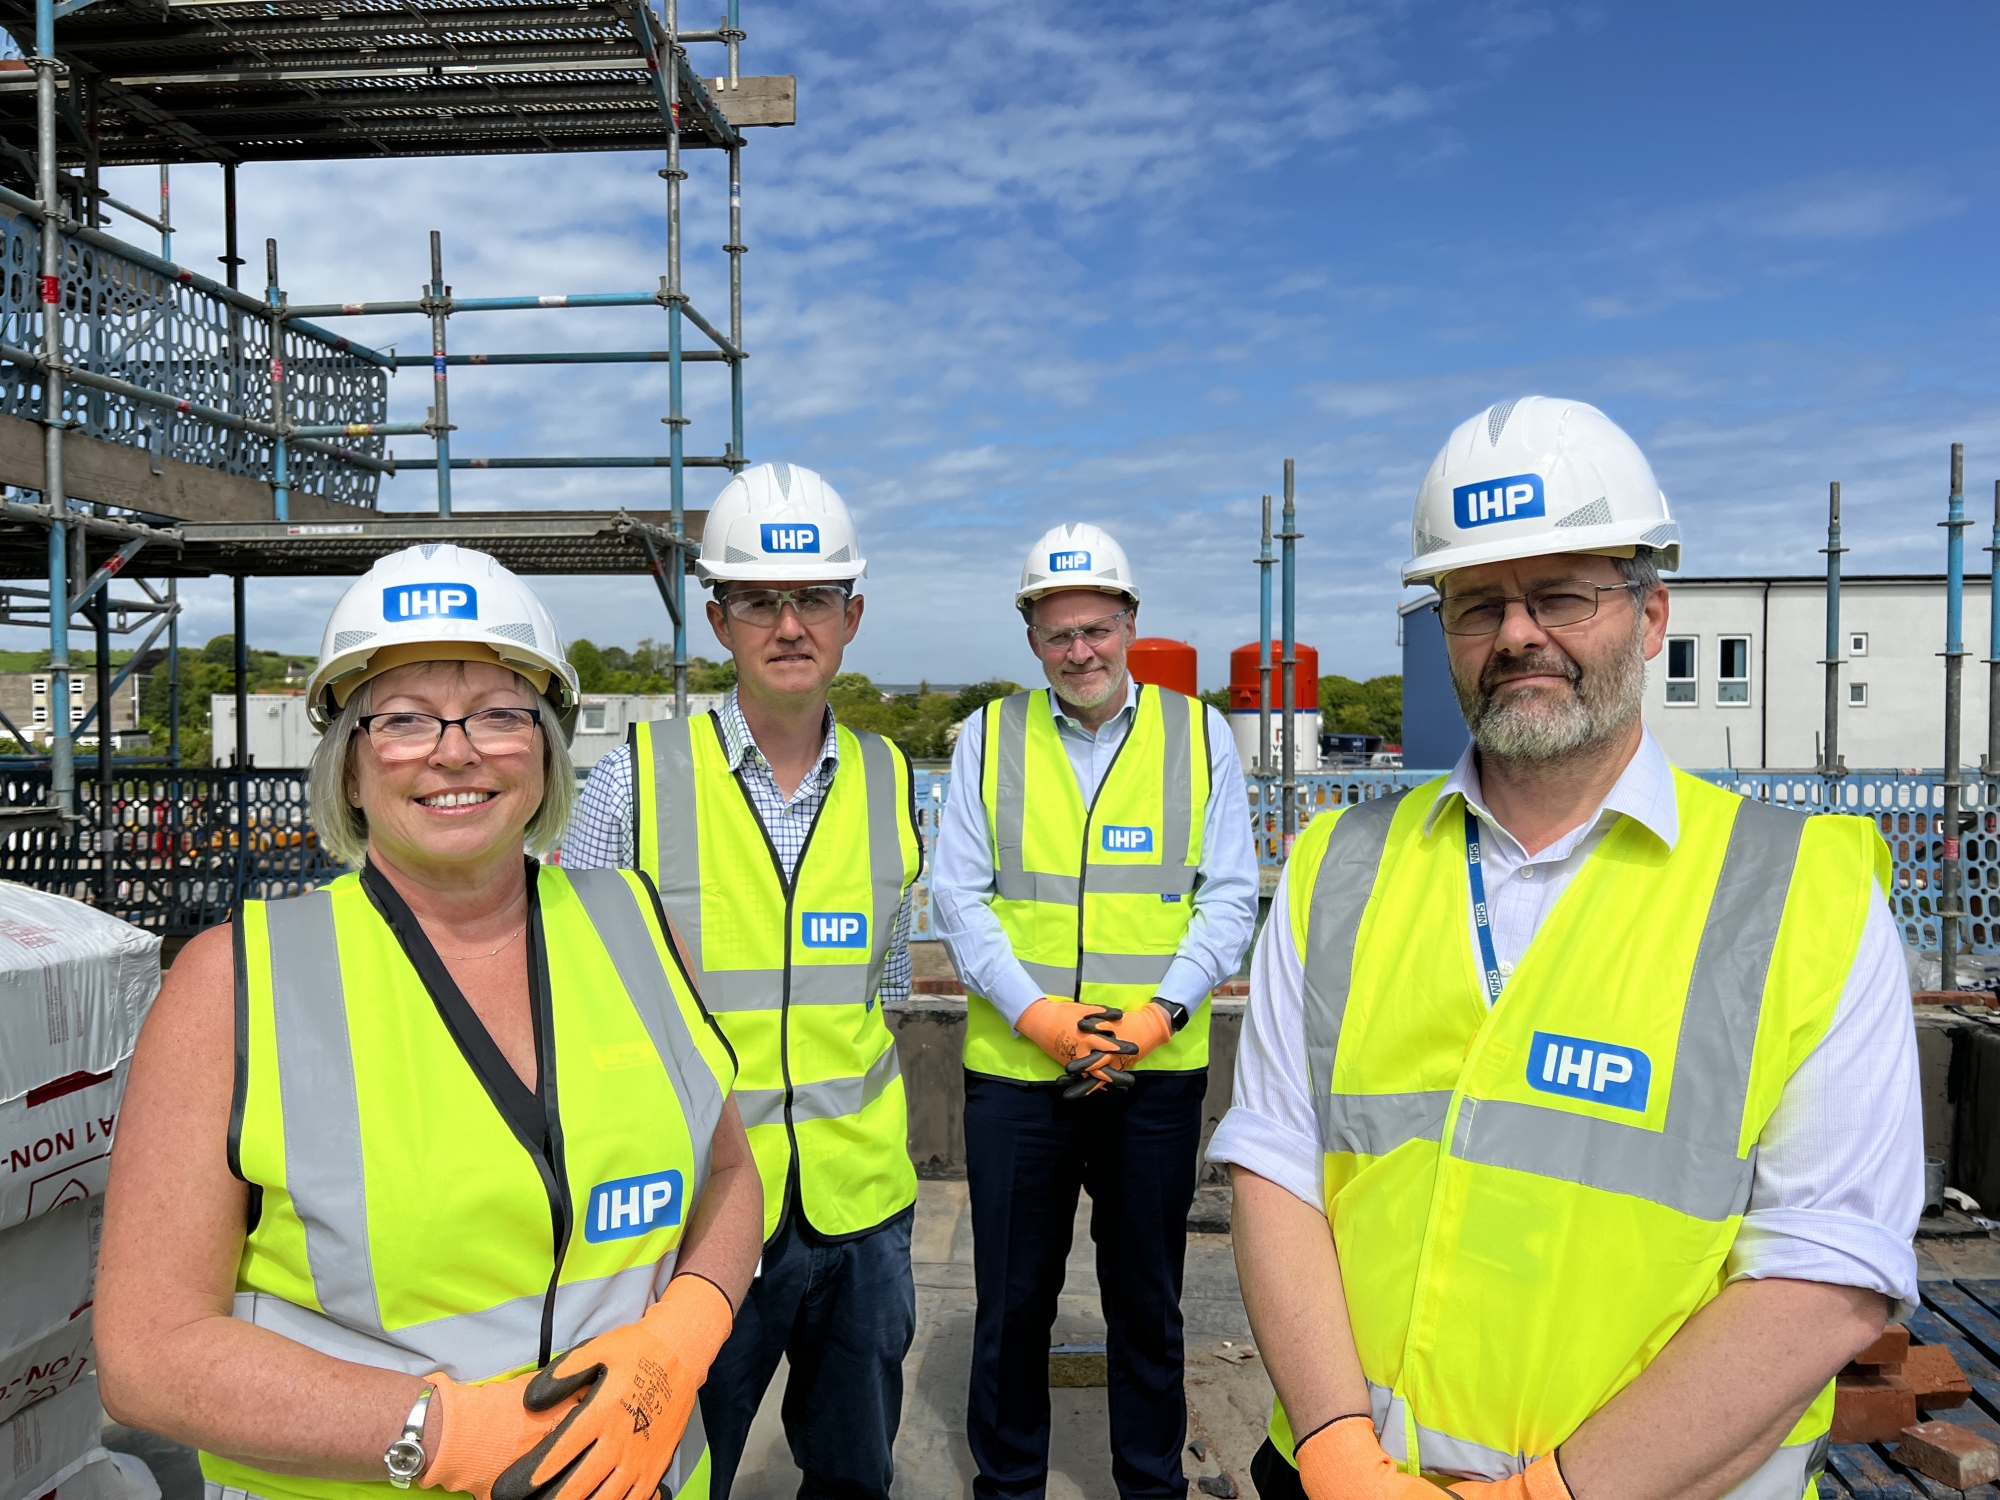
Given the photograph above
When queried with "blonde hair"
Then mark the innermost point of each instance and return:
(343, 827)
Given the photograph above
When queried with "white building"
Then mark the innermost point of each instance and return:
(1741, 682)
(602, 720)
(280, 733)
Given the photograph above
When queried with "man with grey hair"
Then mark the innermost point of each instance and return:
(1575, 1135)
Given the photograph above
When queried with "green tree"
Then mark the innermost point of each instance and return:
(1371, 707)
(1217, 698)
(924, 723)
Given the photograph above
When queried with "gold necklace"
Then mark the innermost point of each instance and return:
(470, 957)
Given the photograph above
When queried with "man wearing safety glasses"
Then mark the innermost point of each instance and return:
(784, 847)
(1094, 881)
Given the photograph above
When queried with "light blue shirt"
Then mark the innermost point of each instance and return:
(962, 875)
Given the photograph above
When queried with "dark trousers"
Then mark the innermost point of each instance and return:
(1276, 1479)
(1028, 1151)
(844, 1315)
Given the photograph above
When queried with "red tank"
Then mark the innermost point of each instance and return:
(1163, 663)
(1243, 677)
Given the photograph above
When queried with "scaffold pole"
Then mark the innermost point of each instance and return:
(671, 73)
(439, 298)
(62, 745)
(281, 488)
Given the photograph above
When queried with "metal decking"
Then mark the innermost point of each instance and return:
(189, 81)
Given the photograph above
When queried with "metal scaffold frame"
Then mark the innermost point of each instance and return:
(274, 391)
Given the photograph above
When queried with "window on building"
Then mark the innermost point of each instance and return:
(40, 685)
(1857, 695)
(41, 713)
(76, 709)
(1857, 643)
(1732, 669)
(1680, 669)
(593, 716)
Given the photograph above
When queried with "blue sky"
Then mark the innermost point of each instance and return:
(1027, 262)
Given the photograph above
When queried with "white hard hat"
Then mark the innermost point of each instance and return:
(1080, 556)
(1536, 476)
(779, 523)
(438, 602)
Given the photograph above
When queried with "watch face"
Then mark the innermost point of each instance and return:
(404, 1458)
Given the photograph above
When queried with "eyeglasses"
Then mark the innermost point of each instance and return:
(1093, 633)
(1553, 605)
(813, 606)
(492, 731)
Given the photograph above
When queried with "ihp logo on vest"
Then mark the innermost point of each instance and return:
(797, 536)
(632, 1206)
(433, 601)
(835, 929)
(1510, 499)
(1069, 562)
(1597, 1071)
(1122, 838)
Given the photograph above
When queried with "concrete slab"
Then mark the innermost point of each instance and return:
(1229, 1397)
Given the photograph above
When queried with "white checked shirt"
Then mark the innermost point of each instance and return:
(600, 831)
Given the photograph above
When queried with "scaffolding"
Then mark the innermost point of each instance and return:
(146, 404)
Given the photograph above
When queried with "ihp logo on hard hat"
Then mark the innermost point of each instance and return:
(430, 601)
(1069, 562)
(1601, 1072)
(835, 929)
(790, 536)
(1124, 839)
(1511, 499)
(632, 1206)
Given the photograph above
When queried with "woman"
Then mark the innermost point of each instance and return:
(391, 1148)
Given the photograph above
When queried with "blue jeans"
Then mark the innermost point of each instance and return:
(844, 1315)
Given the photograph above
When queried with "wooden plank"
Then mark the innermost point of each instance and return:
(1984, 1292)
(770, 100)
(1867, 1474)
(114, 474)
(1979, 1324)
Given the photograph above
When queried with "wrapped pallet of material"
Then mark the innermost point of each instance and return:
(47, 1267)
(109, 1476)
(52, 1441)
(74, 986)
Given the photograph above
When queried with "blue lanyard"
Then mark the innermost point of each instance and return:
(1481, 922)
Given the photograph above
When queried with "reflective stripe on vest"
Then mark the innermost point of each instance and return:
(332, 1124)
(1725, 954)
(820, 1080)
(1074, 905)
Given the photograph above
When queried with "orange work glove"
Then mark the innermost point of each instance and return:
(1342, 1461)
(642, 1378)
(1147, 1028)
(481, 1430)
(1053, 1027)
(1543, 1480)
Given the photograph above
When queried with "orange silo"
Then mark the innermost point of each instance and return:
(1163, 663)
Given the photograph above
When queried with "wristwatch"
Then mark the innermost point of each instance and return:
(1176, 1013)
(405, 1458)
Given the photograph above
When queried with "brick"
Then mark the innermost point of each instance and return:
(1935, 1378)
(1949, 1454)
(1892, 1348)
(1872, 1408)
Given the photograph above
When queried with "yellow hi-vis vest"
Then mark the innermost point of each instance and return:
(1095, 900)
(400, 1219)
(791, 969)
(1529, 1200)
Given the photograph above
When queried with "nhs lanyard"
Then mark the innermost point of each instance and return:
(1482, 922)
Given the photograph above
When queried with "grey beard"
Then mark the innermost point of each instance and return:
(1546, 729)
(1065, 690)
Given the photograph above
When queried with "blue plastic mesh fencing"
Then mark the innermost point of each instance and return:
(124, 319)
(1906, 806)
(181, 846)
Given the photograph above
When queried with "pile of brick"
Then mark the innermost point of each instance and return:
(1877, 1399)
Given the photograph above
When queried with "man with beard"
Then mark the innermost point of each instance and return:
(1576, 1136)
(1095, 880)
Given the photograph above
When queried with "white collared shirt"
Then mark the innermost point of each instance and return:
(1224, 902)
(1839, 1180)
